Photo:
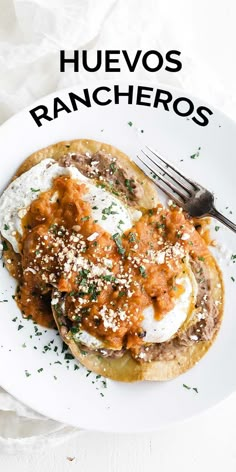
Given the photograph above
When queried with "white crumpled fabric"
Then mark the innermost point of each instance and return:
(31, 34)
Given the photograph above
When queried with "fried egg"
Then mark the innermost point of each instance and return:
(18, 196)
(158, 331)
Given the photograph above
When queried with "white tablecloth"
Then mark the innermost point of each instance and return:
(31, 34)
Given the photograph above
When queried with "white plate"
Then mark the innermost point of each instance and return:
(73, 396)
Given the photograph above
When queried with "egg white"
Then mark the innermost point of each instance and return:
(159, 331)
(18, 196)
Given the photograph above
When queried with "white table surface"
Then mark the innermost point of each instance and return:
(206, 443)
(205, 33)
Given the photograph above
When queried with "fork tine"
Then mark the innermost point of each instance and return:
(166, 182)
(157, 182)
(168, 173)
(191, 182)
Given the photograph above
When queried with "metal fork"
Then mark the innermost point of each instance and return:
(191, 196)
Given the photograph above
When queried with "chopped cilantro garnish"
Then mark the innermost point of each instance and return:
(217, 228)
(130, 123)
(88, 373)
(233, 279)
(6, 227)
(201, 258)
(109, 211)
(190, 388)
(64, 347)
(116, 237)
(84, 273)
(142, 271)
(40, 370)
(4, 246)
(128, 184)
(132, 237)
(35, 189)
(27, 374)
(196, 154)
(85, 218)
(76, 367)
(113, 167)
(108, 278)
(68, 356)
(20, 327)
(74, 329)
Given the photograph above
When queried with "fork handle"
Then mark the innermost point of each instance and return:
(216, 214)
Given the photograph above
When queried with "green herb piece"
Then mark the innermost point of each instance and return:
(64, 347)
(85, 218)
(194, 156)
(121, 294)
(109, 278)
(40, 370)
(142, 271)
(6, 227)
(27, 374)
(233, 258)
(4, 246)
(201, 258)
(113, 167)
(132, 237)
(74, 329)
(94, 208)
(130, 123)
(76, 367)
(55, 378)
(195, 389)
(35, 189)
(20, 327)
(116, 237)
(68, 356)
(109, 211)
(186, 386)
(128, 184)
(233, 279)
(160, 225)
(84, 273)
(93, 291)
(88, 373)
(217, 228)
